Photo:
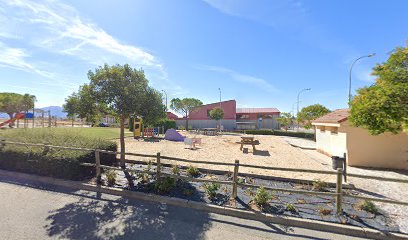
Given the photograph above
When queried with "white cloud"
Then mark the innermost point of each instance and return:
(277, 14)
(239, 77)
(52, 27)
(16, 58)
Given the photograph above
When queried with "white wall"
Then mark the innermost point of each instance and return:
(333, 144)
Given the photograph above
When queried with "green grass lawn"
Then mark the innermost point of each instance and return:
(97, 132)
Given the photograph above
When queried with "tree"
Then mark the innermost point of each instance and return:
(285, 120)
(310, 113)
(71, 106)
(383, 106)
(124, 92)
(13, 103)
(185, 106)
(217, 114)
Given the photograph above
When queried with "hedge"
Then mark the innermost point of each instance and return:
(281, 133)
(59, 163)
(167, 124)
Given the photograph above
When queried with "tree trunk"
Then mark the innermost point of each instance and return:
(122, 151)
(186, 122)
(72, 123)
(11, 124)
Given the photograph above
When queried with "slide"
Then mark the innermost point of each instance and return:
(17, 116)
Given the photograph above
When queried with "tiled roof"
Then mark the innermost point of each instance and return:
(337, 116)
(257, 110)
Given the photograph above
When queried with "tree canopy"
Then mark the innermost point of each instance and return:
(185, 106)
(383, 106)
(285, 120)
(310, 113)
(217, 114)
(120, 91)
(12, 103)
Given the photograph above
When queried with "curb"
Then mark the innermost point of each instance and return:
(305, 148)
(283, 220)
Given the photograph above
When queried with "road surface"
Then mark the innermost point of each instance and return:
(48, 212)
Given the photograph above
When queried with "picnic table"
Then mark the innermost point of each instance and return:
(210, 131)
(248, 141)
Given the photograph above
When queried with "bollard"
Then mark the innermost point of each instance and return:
(235, 180)
(339, 190)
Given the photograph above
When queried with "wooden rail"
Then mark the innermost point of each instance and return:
(339, 194)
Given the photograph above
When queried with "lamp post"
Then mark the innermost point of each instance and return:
(306, 89)
(351, 69)
(166, 98)
(219, 89)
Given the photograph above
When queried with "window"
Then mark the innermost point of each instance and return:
(243, 116)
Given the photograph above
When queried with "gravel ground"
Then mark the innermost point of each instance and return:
(274, 151)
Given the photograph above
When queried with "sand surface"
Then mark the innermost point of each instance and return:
(274, 151)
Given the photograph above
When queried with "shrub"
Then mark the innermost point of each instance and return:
(259, 132)
(59, 163)
(211, 189)
(281, 133)
(111, 177)
(187, 192)
(262, 197)
(166, 123)
(193, 171)
(165, 185)
(175, 170)
(324, 211)
(290, 207)
(319, 185)
(368, 206)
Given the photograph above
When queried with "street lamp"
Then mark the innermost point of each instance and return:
(351, 69)
(219, 89)
(166, 98)
(306, 89)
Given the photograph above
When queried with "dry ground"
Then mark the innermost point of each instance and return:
(274, 151)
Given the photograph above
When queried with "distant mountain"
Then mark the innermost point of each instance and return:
(55, 111)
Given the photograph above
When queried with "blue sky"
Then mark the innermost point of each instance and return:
(259, 52)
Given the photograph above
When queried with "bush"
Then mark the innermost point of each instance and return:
(175, 170)
(368, 206)
(111, 177)
(259, 132)
(281, 133)
(290, 207)
(211, 189)
(59, 163)
(319, 185)
(165, 185)
(193, 171)
(262, 197)
(166, 123)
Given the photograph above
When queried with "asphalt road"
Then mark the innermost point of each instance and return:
(31, 212)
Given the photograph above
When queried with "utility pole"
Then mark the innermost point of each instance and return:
(166, 98)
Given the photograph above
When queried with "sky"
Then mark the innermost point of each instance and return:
(261, 53)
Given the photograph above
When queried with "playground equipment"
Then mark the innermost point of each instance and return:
(12, 120)
(34, 118)
(173, 135)
(140, 131)
(137, 127)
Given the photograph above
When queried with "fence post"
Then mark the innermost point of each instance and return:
(235, 180)
(158, 166)
(2, 144)
(339, 190)
(98, 166)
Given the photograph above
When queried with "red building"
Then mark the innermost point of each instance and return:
(234, 118)
(171, 116)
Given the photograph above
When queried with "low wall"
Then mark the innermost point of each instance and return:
(197, 124)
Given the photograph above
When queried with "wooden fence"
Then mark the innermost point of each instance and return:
(234, 182)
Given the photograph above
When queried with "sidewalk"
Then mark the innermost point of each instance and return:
(50, 213)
